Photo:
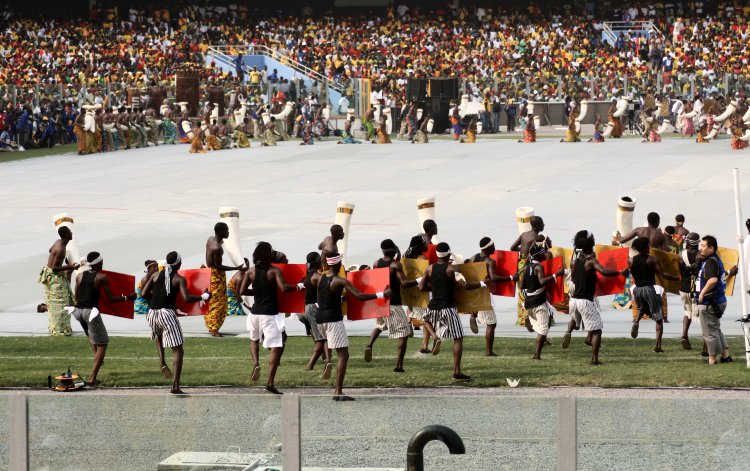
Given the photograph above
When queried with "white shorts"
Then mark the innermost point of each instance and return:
(269, 325)
(335, 334)
(486, 317)
(586, 311)
(539, 318)
(688, 307)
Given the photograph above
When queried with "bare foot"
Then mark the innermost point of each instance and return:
(536, 357)
(596, 363)
(273, 390)
(658, 350)
(256, 373)
(490, 354)
(327, 371)
(342, 398)
(165, 371)
(176, 391)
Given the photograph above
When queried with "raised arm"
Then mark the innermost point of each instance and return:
(492, 273)
(360, 295)
(279, 278)
(544, 280)
(399, 269)
(108, 291)
(189, 298)
(607, 271)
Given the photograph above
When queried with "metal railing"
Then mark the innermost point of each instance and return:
(221, 51)
(612, 28)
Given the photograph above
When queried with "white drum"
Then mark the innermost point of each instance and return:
(72, 253)
(343, 218)
(625, 210)
(523, 218)
(425, 211)
(231, 217)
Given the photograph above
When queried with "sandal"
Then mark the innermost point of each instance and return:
(436, 346)
(368, 354)
(327, 371)
(566, 340)
(473, 325)
(256, 373)
(166, 372)
(634, 330)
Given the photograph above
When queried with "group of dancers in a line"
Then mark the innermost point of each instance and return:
(702, 291)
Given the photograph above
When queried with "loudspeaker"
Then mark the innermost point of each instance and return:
(438, 109)
(450, 88)
(416, 89)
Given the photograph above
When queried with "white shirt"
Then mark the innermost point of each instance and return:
(746, 253)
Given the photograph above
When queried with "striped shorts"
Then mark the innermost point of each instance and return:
(588, 312)
(309, 316)
(397, 325)
(445, 322)
(164, 324)
(334, 333)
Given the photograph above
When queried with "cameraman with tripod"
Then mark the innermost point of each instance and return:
(711, 301)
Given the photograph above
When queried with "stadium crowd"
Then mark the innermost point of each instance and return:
(49, 68)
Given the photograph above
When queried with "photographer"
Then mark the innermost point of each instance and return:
(711, 300)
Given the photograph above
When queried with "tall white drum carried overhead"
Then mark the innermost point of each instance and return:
(425, 211)
(71, 250)
(625, 210)
(343, 218)
(230, 216)
(523, 218)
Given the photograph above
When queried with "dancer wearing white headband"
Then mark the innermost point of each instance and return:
(88, 287)
(488, 318)
(442, 278)
(162, 288)
(308, 318)
(397, 324)
(263, 281)
(538, 310)
(57, 291)
(217, 308)
(583, 307)
(330, 318)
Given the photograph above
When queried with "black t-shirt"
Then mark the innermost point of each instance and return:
(642, 273)
(329, 302)
(442, 288)
(711, 269)
(265, 294)
(88, 295)
(392, 280)
(584, 280)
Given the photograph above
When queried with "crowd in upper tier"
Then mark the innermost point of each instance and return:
(540, 54)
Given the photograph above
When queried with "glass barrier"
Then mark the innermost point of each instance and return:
(663, 433)
(4, 429)
(137, 432)
(498, 432)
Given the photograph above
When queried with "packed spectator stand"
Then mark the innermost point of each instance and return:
(51, 67)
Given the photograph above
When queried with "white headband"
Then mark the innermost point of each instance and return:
(98, 259)
(331, 261)
(168, 273)
(488, 245)
(443, 254)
